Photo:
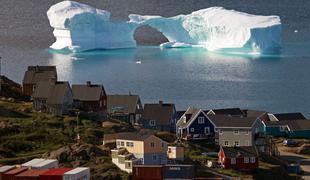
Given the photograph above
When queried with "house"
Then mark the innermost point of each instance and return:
(299, 128)
(226, 111)
(138, 148)
(160, 116)
(241, 158)
(194, 124)
(236, 131)
(53, 97)
(90, 97)
(285, 116)
(125, 107)
(35, 74)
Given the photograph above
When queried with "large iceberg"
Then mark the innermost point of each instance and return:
(80, 27)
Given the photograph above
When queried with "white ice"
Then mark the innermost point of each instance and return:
(79, 27)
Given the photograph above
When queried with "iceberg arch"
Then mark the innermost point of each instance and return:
(79, 27)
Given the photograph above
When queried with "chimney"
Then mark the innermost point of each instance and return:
(88, 83)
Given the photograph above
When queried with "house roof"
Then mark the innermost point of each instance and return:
(241, 151)
(289, 116)
(254, 113)
(136, 136)
(294, 125)
(160, 112)
(87, 92)
(35, 74)
(187, 117)
(122, 103)
(232, 121)
(54, 93)
(229, 111)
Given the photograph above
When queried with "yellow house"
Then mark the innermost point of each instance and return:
(148, 148)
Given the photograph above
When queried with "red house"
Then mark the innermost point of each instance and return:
(90, 97)
(241, 158)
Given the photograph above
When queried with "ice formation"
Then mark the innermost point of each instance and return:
(80, 27)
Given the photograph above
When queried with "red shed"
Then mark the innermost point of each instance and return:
(242, 158)
(54, 174)
(33, 174)
(10, 175)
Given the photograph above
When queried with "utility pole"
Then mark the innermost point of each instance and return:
(77, 127)
(0, 78)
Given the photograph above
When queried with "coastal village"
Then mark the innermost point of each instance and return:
(155, 141)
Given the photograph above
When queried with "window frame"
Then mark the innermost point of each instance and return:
(201, 120)
(152, 144)
(233, 161)
(152, 123)
(236, 132)
(246, 160)
(226, 144)
(192, 130)
(252, 159)
(221, 131)
(237, 143)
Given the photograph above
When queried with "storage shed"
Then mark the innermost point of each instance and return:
(80, 173)
(54, 174)
(32, 174)
(46, 164)
(10, 175)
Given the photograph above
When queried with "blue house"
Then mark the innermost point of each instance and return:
(194, 124)
(160, 116)
(289, 128)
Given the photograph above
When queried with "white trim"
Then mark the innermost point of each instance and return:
(271, 114)
(252, 159)
(211, 112)
(246, 160)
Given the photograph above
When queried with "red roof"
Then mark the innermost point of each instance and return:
(56, 171)
(16, 170)
(32, 173)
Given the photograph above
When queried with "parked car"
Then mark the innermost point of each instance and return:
(290, 142)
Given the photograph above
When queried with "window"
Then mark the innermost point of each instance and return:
(122, 143)
(236, 143)
(201, 120)
(129, 144)
(246, 160)
(118, 143)
(282, 128)
(152, 144)
(233, 161)
(252, 159)
(220, 131)
(236, 131)
(152, 122)
(207, 130)
(192, 130)
(226, 143)
(154, 157)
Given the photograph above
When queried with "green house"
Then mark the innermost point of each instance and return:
(289, 128)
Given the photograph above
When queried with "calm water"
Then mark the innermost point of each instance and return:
(184, 76)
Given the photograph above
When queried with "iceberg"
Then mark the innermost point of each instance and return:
(79, 27)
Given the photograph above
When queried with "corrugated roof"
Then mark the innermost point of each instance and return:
(241, 151)
(16, 170)
(294, 125)
(6, 168)
(54, 93)
(122, 103)
(77, 170)
(232, 121)
(85, 92)
(32, 173)
(56, 171)
(289, 116)
(160, 112)
(32, 162)
(45, 162)
(134, 136)
(229, 111)
(189, 114)
(36, 74)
